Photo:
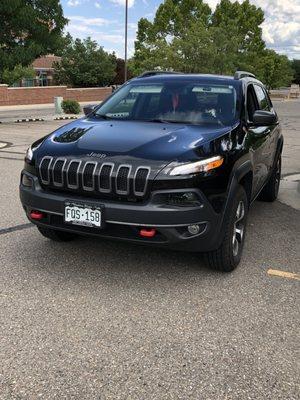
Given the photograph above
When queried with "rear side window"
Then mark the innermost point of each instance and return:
(262, 98)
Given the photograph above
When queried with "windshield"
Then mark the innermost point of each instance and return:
(173, 102)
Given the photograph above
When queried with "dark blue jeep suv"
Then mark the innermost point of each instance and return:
(168, 160)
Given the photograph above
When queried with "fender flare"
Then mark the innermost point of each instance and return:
(238, 172)
(279, 145)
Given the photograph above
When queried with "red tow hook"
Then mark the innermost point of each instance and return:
(148, 232)
(37, 215)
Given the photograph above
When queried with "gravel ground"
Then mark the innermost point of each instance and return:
(105, 320)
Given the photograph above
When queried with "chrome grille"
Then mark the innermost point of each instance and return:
(105, 177)
(91, 176)
(140, 180)
(88, 179)
(122, 179)
(72, 174)
(44, 170)
(58, 172)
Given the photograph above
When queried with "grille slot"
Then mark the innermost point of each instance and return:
(45, 170)
(72, 174)
(122, 179)
(88, 181)
(140, 180)
(58, 172)
(105, 177)
(94, 177)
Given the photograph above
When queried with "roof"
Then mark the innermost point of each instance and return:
(190, 77)
(45, 62)
(210, 78)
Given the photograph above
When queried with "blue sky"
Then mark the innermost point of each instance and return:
(103, 20)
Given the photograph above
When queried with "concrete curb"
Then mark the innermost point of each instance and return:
(63, 118)
(29, 120)
(47, 118)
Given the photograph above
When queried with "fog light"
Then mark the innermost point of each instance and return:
(194, 229)
(185, 199)
(26, 180)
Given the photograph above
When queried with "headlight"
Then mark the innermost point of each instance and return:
(29, 154)
(31, 149)
(198, 166)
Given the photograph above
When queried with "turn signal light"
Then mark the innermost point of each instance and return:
(214, 164)
(147, 232)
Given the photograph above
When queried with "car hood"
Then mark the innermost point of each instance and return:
(111, 139)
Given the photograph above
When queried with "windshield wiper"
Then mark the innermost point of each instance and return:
(103, 116)
(159, 120)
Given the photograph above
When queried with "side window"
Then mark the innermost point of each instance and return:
(263, 102)
(252, 102)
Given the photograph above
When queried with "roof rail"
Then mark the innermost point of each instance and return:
(153, 73)
(243, 74)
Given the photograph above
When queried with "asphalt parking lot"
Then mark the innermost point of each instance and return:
(102, 320)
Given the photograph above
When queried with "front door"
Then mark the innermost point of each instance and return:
(259, 141)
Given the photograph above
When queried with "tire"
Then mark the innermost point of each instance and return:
(227, 257)
(270, 191)
(57, 236)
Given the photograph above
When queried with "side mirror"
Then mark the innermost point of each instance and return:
(264, 118)
(88, 109)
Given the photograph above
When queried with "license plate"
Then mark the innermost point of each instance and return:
(85, 215)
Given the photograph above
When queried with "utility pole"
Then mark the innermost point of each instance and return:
(126, 29)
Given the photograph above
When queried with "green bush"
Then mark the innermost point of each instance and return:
(70, 107)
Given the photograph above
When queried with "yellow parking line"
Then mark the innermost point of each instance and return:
(283, 274)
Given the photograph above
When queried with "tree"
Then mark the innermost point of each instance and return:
(187, 36)
(120, 68)
(29, 29)
(237, 36)
(16, 74)
(296, 68)
(194, 51)
(275, 70)
(173, 20)
(85, 64)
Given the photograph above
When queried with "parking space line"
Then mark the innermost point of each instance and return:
(283, 274)
(13, 152)
(12, 158)
(4, 231)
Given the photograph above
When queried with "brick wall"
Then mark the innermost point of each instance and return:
(43, 95)
(88, 94)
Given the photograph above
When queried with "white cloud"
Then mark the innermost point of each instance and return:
(122, 2)
(73, 3)
(82, 27)
(86, 21)
(97, 4)
(101, 36)
(281, 29)
(132, 25)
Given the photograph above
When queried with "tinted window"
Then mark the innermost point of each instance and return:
(263, 102)
(186, 102)
(252, 104)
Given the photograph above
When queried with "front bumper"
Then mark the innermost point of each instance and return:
(123, 221)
